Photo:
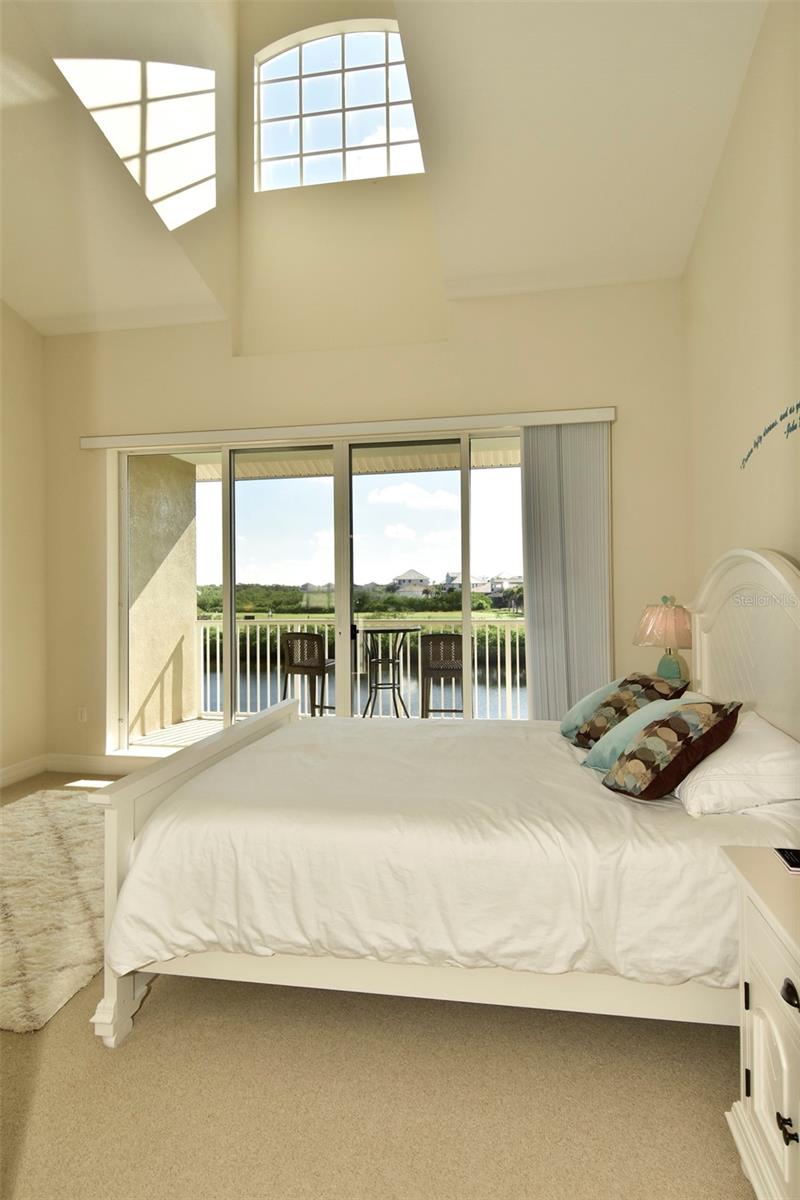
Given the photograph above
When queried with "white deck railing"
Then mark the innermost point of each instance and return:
(498, 665)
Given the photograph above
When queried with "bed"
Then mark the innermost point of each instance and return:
(460, 861)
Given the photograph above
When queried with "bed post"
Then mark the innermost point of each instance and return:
(113, 1017)
(122, 995)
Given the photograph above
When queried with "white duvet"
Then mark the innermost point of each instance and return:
(470, 844)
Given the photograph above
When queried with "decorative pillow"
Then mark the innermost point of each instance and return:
(634, 692)
(666, 750)
(759, 765)
(605, 753)
(585, 707)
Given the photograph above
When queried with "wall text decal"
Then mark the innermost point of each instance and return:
(788, 418)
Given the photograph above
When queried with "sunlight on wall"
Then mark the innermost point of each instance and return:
(160, 119)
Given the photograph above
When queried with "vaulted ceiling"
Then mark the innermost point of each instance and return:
(566, 144)
(82, 248)
(571, 144)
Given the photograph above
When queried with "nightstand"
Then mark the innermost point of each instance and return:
(765, 1120)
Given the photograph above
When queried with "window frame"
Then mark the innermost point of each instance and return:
(342, 436)
(298, 40)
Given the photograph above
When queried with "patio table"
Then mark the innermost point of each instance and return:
(376, 659)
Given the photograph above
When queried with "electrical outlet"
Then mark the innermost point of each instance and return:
(83, 716)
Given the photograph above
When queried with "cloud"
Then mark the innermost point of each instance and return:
(313, 564)
(411, 495)
(442, 537)
(378, 138)
(400, 533)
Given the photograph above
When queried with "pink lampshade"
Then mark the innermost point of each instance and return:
(665, 624)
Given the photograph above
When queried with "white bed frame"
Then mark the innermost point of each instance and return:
(747, 646)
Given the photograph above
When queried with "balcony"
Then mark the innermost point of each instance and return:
(498, 671)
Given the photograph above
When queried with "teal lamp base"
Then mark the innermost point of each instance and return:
(670, 667)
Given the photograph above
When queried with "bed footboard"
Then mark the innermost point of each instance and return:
(128, 804)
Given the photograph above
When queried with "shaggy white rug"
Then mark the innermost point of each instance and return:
(51, 904)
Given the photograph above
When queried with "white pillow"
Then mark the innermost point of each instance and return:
(759, 764)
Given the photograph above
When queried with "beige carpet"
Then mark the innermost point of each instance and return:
(240, 1092)
(51, 904)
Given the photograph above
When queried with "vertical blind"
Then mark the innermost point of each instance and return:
(566, 533)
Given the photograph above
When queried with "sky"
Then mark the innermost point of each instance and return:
(284, 527)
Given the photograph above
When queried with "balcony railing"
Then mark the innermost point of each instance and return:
(498, 665)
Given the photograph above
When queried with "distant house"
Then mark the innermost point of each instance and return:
(317, 595)
(478, 583)
(411, 583)
(501, 583)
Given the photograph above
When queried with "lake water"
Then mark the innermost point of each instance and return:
(489, 698)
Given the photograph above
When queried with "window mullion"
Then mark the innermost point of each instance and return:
(343, 117)
(257, 100)
(386, 94)
(344, 120)
(300, 119)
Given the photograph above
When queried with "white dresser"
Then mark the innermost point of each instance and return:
(765, 1121)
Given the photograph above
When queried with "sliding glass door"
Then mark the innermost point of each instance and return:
(255, 573)
(406, 578)
(283, 565)
(498, 622)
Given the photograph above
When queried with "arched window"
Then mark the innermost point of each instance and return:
(332, 104)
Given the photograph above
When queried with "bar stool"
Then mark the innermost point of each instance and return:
(304, 654)
(440, 658)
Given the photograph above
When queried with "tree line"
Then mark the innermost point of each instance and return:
(284, 598)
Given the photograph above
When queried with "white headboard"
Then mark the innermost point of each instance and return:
(746, 633)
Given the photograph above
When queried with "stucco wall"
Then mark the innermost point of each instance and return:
(162, 592)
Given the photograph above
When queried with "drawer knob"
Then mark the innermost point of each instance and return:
(789, 994)
(784, 1124)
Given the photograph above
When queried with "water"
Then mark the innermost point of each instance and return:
(264, 690)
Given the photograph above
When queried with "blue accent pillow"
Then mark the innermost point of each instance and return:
(605, 752)
(583, 709)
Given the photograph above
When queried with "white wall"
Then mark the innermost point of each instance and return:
(330, 266)
(742, 295)
(23, 576)
(714, 356)
(593, 347)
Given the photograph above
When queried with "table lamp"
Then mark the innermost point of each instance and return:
(669, 625)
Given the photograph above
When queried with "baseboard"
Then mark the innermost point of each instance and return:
(22, 770)
(81, 764)
(101, 764)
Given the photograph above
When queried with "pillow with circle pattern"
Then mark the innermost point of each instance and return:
(633, 693)
(584, 708)
(605, 753)
(666, 750)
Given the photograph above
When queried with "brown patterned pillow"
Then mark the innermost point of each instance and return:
(633, 693)
(666, 750)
